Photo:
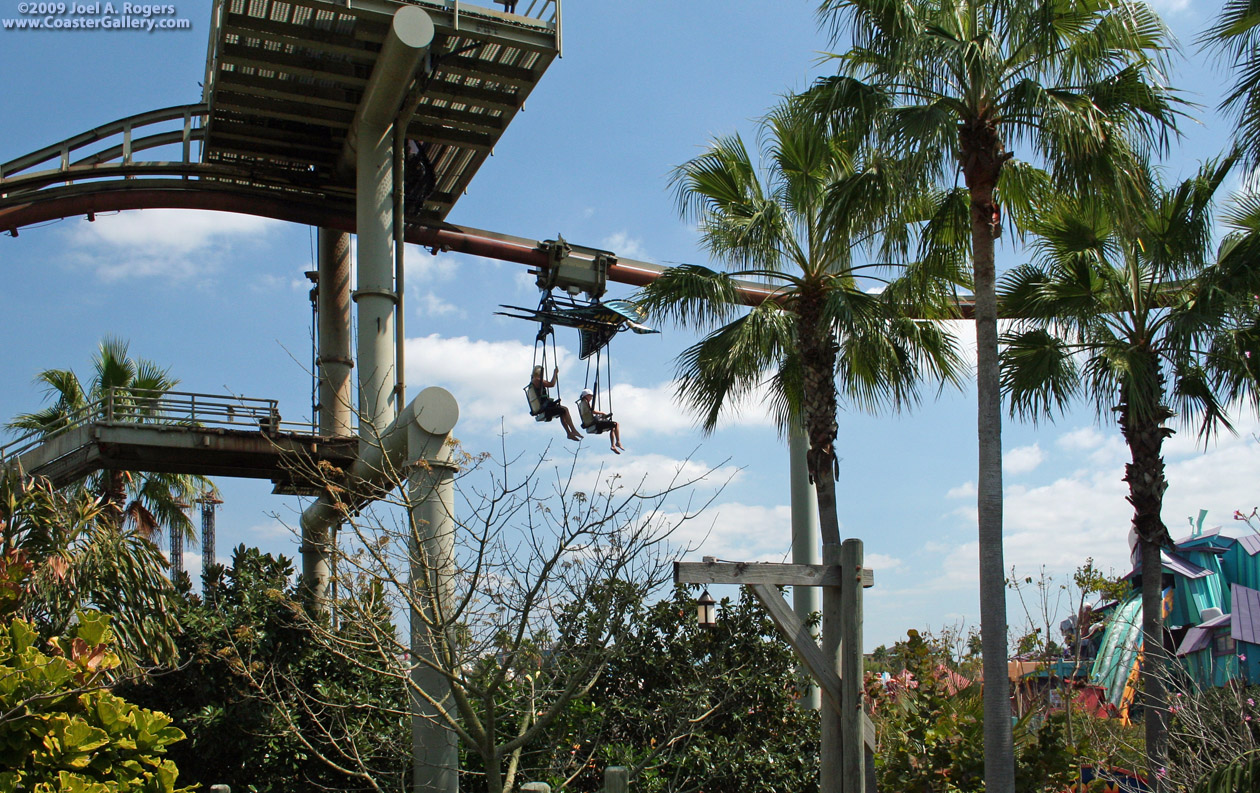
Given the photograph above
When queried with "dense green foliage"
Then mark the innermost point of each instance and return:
(61, 729)
(692, 709)
(80, 559)
(249, 659)
(931, 737)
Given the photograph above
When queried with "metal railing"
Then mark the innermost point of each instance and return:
(96, 151)
(174, 409)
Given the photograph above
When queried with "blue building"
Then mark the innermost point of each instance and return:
(1211, 610)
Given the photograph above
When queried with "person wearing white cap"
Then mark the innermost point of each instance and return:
(597, 422)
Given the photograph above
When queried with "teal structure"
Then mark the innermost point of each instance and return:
(1212, 611)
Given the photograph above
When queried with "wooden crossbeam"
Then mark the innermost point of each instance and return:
(802, 642)
(713, 572)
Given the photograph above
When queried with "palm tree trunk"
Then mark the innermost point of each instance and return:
(981, 165)
(115, 496)
(1145, 475)
(818, 371)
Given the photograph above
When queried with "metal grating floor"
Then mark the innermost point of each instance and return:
(284, 79)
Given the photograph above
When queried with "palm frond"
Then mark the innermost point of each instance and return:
(1193, 395)
(1039, 374)
(692, 296)
(729, 364)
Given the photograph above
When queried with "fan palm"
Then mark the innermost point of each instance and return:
(1127, 310)
(1236, 38)
(957, 86)
(794, 224)
(146, 501)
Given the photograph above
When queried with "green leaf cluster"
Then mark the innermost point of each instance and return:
(930, 736)
(61, 730)
(72, 556)
(245, 648)
(692, 709)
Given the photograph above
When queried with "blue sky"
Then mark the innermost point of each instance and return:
(642, 86)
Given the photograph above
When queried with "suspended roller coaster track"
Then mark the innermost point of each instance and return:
(100, 171)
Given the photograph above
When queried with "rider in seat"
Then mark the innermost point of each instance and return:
(598, 422)
(551, 408)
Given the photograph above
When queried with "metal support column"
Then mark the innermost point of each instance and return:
(372, 140)
(336, 394)
(336, 408)
(805, 543)
(435, 751)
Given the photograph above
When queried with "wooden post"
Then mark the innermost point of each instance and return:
(616, 779)
(831, 771)
(535, 787)
(853, 774)
(842, 768)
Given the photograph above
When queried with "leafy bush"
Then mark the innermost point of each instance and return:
(245, 648)
(61, 730)
(687, 708)
(931, 737)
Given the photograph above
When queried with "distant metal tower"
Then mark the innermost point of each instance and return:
(209, 502)
(177, 545)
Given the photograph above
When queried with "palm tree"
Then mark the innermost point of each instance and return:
(794, 226)
(1126, 309)
(958, 86)
(147, 501)
(1236, 39)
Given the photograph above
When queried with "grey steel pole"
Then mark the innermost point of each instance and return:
(409, 37)
(435, 751)
(805, 544)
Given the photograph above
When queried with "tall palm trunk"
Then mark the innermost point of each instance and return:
(1145, 475)
(818, 372)
(982, 158)
(115, 496)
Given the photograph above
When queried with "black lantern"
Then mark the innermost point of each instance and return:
(706, 610)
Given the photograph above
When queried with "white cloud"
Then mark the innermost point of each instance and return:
(430, 305)
(741, 532)
(488, 378)
(422, 267)
(526, 284)
(965, 490)
(1021, 460)
(171, 243)
(653, 409)
(1061, 522)
(1081, 439)
(271, 282)
(625, 246)
(881, 562)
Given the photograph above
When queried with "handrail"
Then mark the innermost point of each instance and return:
(173, 409)
(125, 127)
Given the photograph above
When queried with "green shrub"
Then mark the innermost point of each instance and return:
(62, 730)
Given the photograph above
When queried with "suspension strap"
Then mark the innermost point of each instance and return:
(608, 379)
